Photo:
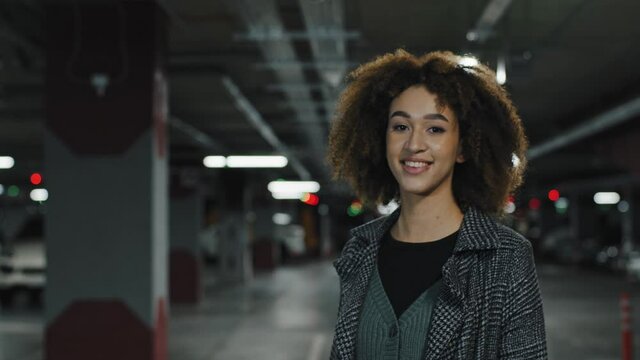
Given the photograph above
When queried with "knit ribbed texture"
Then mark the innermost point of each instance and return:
(383, 337)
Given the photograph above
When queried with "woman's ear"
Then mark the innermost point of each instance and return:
(460, 157)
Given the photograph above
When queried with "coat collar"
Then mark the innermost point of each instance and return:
(477, 232)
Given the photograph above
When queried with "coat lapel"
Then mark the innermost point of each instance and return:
(354, 268)
(478, 232)
(354, 291)
(448, 312)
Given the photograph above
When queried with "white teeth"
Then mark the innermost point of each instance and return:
(415, 164)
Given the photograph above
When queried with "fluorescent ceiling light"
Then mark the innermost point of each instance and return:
(491, 14)
(214, 161)
(562, 203)
(6, 162)
(515, 160)
(468, 61)
(256, 161)
(501, 71)
(510, 208)
(293, 187)
(606, 198)
(281, 219)
(39, 194)
(287, 195)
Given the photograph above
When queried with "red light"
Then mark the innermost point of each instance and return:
(36, 179)
(554, 195)
(311, 199)
(534, 204)
(512, 199)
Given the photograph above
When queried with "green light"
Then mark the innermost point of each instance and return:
(13, 191)
(561, 210)
(355, 209)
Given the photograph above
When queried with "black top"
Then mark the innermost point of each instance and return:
(409, 269)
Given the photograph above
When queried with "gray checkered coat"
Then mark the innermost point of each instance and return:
(490, 305)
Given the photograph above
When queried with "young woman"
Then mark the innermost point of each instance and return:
(439, 278)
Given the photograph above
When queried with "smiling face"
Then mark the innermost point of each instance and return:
(423, 143)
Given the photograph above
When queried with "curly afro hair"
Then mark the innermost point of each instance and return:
(493, 139)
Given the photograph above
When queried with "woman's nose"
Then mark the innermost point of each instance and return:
(416, 142)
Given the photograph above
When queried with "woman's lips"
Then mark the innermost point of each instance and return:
(415, 167)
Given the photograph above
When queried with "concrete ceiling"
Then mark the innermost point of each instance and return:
(567, 61)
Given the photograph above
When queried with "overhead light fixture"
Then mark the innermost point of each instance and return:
(239, 161)
(468, 61)
(39, 194)
(295, 187)
(606, 198)
(491, 14)
(281, 219)
(501, 71)
(6, 162)
(215, 161)
(256, 161)
(515, 160)
(472, 35)
(287, 195)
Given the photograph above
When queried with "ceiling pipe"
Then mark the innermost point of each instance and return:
(318, 34)
(330, 55)
(260, 16)
(491, 15)
(254, 117)
(199, 136)
(601, 122)
(598, 184)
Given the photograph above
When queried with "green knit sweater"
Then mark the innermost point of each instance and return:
(382, 336)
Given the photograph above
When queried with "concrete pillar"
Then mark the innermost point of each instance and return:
(628, 226)
(185, 261)
(106, 169)
(235, 228)
(575, 208)
(326, 247)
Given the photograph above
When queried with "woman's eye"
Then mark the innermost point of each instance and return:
(436, 130)
(399, 127)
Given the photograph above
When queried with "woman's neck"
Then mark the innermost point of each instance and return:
(427, 218)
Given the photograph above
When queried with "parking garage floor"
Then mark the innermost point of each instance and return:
(289, 314)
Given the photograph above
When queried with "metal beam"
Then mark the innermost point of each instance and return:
(279, 35)
(492, 13)
(601, 122)
(605, 183)
(257, 16)
(321, 64)
(254, 117)
(202, 138)
(330, 55)
(300, 87)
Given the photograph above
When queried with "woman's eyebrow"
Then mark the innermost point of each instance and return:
(434, 116)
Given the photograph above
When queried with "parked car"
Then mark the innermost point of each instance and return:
(23, 263)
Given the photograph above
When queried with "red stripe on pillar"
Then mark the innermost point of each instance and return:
(161, 343)
(184, 277)
(103, 330)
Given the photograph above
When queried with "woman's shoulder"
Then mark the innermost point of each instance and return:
(511, 239)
